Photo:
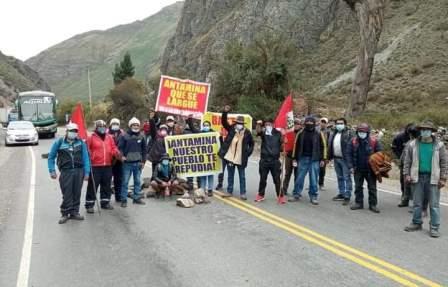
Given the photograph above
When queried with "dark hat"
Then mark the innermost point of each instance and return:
(240, 120)
(269, 120)
(426, 125)
(165, 156)
(363, 128)
(310, 119)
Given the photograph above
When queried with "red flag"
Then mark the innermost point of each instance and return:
(285, 123)
(78, 118)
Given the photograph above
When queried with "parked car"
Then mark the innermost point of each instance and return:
(21, 132)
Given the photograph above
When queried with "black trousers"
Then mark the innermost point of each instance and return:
(221, 175)
(117, 174)
(322, 172)
(102, 177)
(289, 170)
(266, 167)
(70, 182)
(369, 176)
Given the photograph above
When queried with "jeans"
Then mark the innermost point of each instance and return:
(306, 165)
(369, 176)
(266, 167)
(345, 184)
(207, 182)
(131, 168)
(231, 178)
(289, 170)
(422, 187)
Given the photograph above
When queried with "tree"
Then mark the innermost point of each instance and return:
(370, 14)
(128, 99)
(123, 70)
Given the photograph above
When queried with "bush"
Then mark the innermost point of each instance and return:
(128, 100)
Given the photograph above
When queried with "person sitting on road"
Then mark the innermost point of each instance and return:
(164, 180)
(74, 165)
(132, 146)
(102, 150)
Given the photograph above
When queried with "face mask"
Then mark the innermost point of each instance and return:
(72, 135)
(426, 133)
(115, 127)
(163, 133)
(239, 127)
(340, 127)
(206, 128)
(310, 127)
(165, 162)
(135, 130)
(170, 124)
(269, 130)
(362, 135)
(101, 130)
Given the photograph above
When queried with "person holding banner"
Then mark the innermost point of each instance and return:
(236, 150)
(164, 177)
(132, 146)
(271, 146)
(74, 165)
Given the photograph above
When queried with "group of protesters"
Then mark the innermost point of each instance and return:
(111, 154)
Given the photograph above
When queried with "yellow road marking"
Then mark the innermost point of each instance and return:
(327, 243)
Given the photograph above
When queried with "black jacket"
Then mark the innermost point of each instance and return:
(399, 143)
(346, 139)
(248, 141)
(270, 145)
(359, 152)
(319, 146)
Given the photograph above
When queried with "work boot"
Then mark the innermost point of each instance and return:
(259, 198)
(434, 233)
(374, 209)
(403, 203)
(77, 217)
(413, 227)
(107, 207)
(138, 201)
(356, 206)
(243, 197)
(63, 219)
(338, 197)
(124, 204)
(90, 210)
(314, 201)
(346, 201)
(294, 199)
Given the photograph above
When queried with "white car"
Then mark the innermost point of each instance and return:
(21, 132)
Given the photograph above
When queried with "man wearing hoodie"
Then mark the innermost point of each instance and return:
(236, 150)
(425, 168)
(102, 150)
(310, 153)
(359, 151)
(132, 146)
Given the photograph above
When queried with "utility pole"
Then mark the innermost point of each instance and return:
(90, 88)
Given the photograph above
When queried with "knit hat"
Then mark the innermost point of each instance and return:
(310, 119)
(100, 123)
(165, 156)
(134, 121)
(170, 118)
(115, 121)
(363, 128)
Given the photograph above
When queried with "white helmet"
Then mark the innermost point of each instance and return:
(134, 121)
(115, 121)
(72, 126)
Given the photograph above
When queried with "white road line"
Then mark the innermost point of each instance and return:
(24, 271)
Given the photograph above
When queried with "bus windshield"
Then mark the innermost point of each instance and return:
(37, 108)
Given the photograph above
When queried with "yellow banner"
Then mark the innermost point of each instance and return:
(215, 120)
(194, 154)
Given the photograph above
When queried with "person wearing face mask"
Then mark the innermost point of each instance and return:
(205, 182)
(359, 151)
(115, 132)
(425, 169)
(102, 150)
(164, 179)
(170, 123)
(271, 146)
(289, 166)
(74, 166)
(132, 146)
(310, 151)
(339, 141)
(158, 147)
(236, 150)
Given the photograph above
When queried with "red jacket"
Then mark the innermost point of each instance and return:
(102, 151)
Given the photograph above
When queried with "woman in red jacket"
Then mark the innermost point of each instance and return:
(102, 150)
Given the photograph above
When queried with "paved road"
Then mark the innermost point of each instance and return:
(226, 243)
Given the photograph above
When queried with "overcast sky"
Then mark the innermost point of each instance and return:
(29, 26)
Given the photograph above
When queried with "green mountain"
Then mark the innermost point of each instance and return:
(65, 65)
(16, 76)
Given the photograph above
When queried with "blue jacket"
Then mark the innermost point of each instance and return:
(69, 155)
(359, 152)
(133, 147)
